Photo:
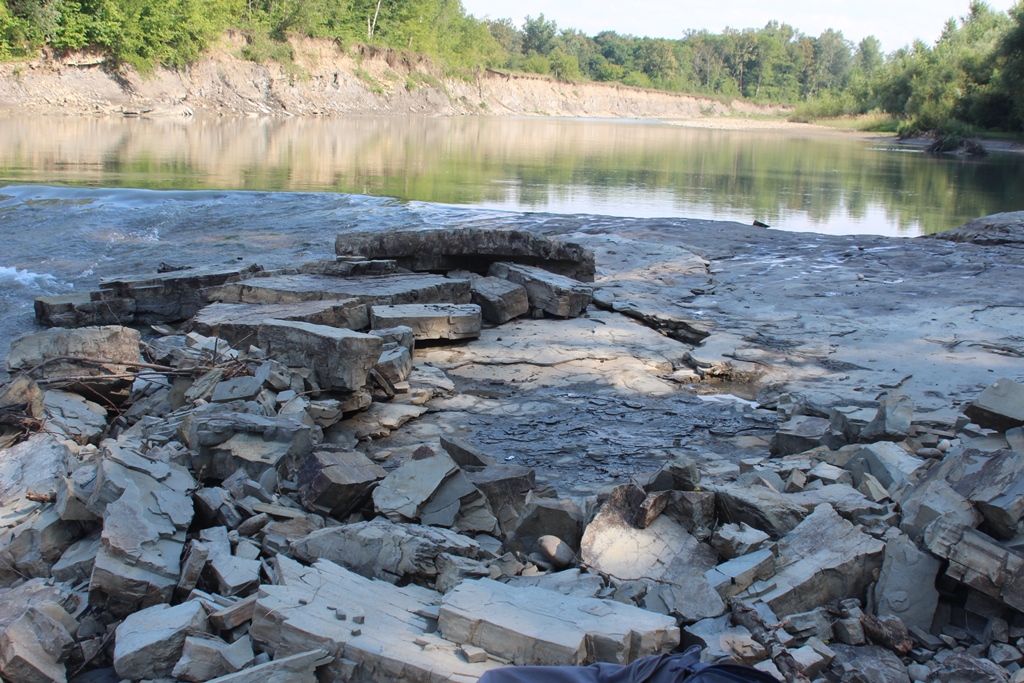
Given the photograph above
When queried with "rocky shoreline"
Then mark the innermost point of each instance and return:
(451, 450)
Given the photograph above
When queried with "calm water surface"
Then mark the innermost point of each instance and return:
(824, 183)
(82, 199)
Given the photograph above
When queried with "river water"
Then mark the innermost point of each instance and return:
(84, 198)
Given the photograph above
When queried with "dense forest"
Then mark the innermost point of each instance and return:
(971, 79)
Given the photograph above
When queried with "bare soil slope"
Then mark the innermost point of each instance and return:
(325, 80)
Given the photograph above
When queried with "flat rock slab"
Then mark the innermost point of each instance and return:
(32, 641)
(535, 626)
(149, 642)
(555, 294)
(430, 321)
(978, 561)
(999, 228)
(384, 290)
(396, 641)
(238, 324)
(167, 297)
(337, 482)
(341, 358)
(472, 249)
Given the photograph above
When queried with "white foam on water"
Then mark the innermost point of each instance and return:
(26, 278)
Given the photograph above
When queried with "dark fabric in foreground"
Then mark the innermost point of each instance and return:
(674, 668)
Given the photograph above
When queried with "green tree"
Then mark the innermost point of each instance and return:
(539, 35)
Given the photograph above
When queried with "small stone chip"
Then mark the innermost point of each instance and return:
(340, 616)
(473, 655)
(359, 619)
(357, 631)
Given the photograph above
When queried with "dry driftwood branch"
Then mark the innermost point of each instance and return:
(744, 615)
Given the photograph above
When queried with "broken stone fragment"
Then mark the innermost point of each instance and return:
(774, 513)
(84, 309)
(546, 516)
(931, 499)
(337, 482)
(384, 550)
(397, 640)
(555, 294)
(473, 249)
(225, 442)
(33, 643)
(906, 585)
(1000, 406)
(82, 420)
(149, 642)
(533, 626)
(499, 300)
(822, 560)
(430, 321)
(341, 358)
(978, 561)
(892, 421)
(662, 552)
(32, 547)
(734, 540)
(892, 466)
(804, 432)
(380, 419)
(735, 576)
(205, 657)
(435, 491)
(556, 551)
(506, 488)
(239, 324)
(88, 355)
(395, 363)
(695, 510)
(75, 565)
(401, 335)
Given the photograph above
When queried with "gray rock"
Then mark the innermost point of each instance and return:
(147, 507)
(84, 309)
(225, 442)
(342, 359)
(556, 551)
(337, 482)
(735, 576)
(473, 249)
(34, 641)
(239, 324)
(906, 585)
(892, 421)
(533, 626)
(499, 300)
(774, 513)
(997, 490)
(75, 565)
(961, 667)
(298, 668)
(82, 420)
(555, 294)
(998, 228)
(401, 335)
(32, 547)
(662, 552)
(977, 561)
(205, 657)
(869, 664)
(397, 640)
(35, 352)
(822, 560)
(465, 454)
(695, 510)
(395, 364)
(244, 388)
(436, 492)
(385, 290)
(1000, 406)
(892, 466)
(430, 321)
(734, 540)
(383, 550)
(506, 488)
(804, 432)
(149, 642)
(546, 517)
(931, 499)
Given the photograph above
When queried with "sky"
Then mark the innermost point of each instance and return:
(895, 22)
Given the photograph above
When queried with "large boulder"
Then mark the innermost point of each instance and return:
(473, 249)
(998, 228)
